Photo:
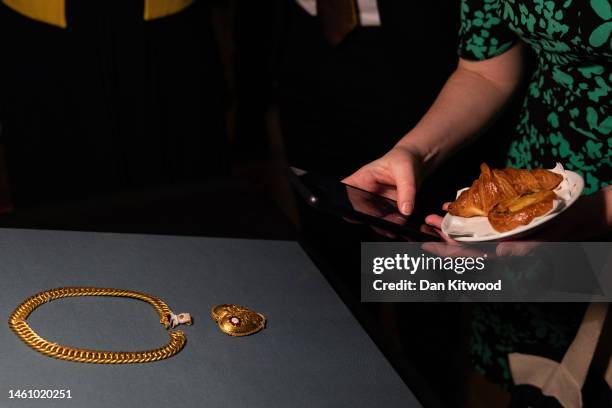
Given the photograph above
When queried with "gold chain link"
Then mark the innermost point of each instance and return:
(18, 324)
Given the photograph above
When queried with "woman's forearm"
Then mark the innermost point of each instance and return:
(470, 99)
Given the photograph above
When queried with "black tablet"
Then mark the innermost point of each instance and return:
(329, 195)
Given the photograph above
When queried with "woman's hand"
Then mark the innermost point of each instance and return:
(470, 99)
(396, 175)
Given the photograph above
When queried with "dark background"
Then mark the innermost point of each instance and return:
(185, 125)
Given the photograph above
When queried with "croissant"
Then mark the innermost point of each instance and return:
(520, 210)
(495, 186)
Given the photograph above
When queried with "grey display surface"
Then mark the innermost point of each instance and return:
(312, 354)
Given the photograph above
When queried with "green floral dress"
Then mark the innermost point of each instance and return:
(566, 115)
(566, 118)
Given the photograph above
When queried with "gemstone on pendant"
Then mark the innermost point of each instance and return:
(235, 321)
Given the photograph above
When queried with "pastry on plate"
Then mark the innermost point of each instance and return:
(494, 186)
(520, 210)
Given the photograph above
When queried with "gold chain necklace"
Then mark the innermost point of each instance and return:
(18, 324)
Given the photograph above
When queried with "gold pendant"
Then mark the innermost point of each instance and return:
(236, 320)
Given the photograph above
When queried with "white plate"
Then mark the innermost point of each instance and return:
(478, 229)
